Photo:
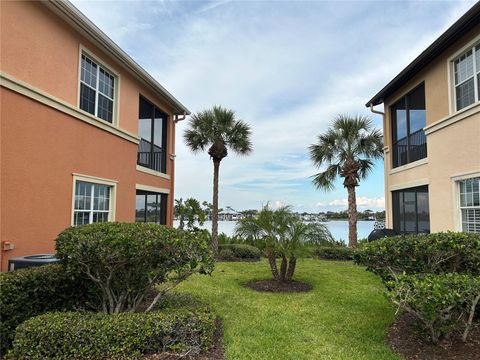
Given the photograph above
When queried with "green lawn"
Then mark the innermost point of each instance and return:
(345, 316)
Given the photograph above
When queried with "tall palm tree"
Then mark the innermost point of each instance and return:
(347, 149)
(217, 130)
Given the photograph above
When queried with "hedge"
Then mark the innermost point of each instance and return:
(33, 291)
(239, 252)
(77, 335)
(334, 252)
(125, 260)
(422, 253)
(443, 304)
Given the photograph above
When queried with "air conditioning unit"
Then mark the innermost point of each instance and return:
(21, 262)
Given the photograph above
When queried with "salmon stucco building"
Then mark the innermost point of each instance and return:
(432, 135)
(87, 135)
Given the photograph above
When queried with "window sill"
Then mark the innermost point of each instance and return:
(453, 118)
(152, 172)
(409, 166)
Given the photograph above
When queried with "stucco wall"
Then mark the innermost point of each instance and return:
(452, 150)
(42, 147)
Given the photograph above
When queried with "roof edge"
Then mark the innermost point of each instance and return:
(466, 22)
(68, 12)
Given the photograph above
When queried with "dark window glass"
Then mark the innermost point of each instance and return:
(105, 108)
(465, 94)
(411, 210)
(96, 90)
(151, 207)
(87, 99)
(152, 126)
(408, 120)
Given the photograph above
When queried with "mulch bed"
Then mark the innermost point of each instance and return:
(215, 353)
(278, 286)
(406, 341)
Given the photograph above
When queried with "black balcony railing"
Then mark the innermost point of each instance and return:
(153, 160)
(410, 149)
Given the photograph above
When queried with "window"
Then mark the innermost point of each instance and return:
(470, 204)
(466, 69)
(411, 211)
(151, 207)
(409, 142)
(91, 203)
(152, 129)
(97, 89)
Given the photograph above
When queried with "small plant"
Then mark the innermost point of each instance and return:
(125, 260)
(443, 304)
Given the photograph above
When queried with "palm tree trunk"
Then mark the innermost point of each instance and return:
(352, 217)
(291, 268)
(273, 263)
(216, 167)
(283, 268)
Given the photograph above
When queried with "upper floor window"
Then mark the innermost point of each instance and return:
(466, 69)
(409, 142)
(97, 89)
(470, 204)
(152, 129)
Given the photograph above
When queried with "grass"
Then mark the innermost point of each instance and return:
(345, 316)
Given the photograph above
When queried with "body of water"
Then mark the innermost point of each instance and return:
(338, 228)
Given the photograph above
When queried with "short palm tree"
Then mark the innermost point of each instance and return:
(347, 149)
(189, 211)
(282, 235)
(217, 130)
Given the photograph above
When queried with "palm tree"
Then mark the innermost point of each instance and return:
(189, 211)
(347, 149)
(217, 130)
(282, 234)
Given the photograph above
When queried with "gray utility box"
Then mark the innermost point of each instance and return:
(22, 262)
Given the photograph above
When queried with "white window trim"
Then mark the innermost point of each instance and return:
(452, 105)
(96, 180)
(152, 189)
(116, 89)
(457, 214)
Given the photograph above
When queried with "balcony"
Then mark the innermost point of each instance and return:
(410, 149)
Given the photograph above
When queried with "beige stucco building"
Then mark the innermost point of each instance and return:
(432, 135)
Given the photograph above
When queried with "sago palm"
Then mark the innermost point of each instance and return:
(217, 130)
(347, 149)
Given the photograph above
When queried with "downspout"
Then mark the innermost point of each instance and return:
(385, 171)
(177, 118)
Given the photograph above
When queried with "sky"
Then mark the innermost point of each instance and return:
(287, 68)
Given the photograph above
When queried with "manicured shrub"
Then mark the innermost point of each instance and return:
(240, 252)
(76, 335)
(226, 254)
(423, 253)
(29, 292)
(125, 260)
(443, 304)
(334, 253)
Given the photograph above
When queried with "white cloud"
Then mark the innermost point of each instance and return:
(287, 68)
